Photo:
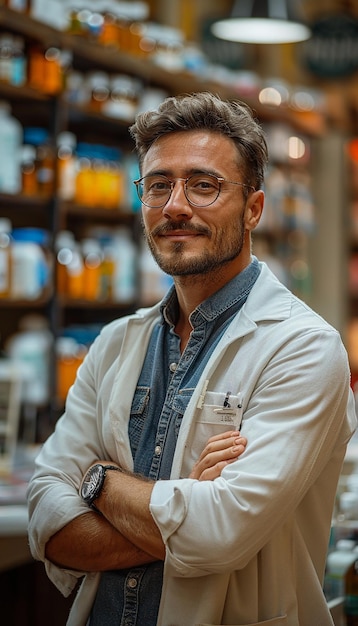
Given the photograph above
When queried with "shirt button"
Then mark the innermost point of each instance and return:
(132, 583)
(158, 450)
(173, 367)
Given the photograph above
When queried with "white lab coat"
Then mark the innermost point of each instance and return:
(249, 547)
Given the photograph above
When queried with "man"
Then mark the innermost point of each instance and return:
(242, 538)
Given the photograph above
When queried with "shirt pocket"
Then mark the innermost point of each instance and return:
(214, 418)
(179, 407)
(140, 402)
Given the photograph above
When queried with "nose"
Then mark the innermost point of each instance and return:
(178, 205)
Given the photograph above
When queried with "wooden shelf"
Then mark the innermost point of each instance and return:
(96, 212)
(92, 54)
(22, 92)
(21, 200)
(57, 113)
(84, 114)
(10, 303)
(80, 303)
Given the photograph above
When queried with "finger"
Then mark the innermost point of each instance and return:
(225, 435)
(214, 472)
(219, 444)
(213, 459)
(222, 455)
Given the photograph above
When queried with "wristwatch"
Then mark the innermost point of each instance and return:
(93, 481)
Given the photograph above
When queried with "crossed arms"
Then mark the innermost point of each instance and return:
(123, 534)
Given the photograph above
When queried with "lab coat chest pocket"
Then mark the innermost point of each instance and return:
(215, 418)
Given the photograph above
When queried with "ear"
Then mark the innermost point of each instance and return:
(254, 208)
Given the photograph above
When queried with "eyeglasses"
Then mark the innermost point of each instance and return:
(201, 190)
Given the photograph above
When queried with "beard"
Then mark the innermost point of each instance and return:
(228, 244)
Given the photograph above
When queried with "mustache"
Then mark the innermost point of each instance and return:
(170, 227)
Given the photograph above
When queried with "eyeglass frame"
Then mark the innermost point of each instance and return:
(220, 180)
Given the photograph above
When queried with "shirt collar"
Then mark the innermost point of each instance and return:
(230, 296)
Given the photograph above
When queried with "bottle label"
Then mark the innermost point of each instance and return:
(18, 71)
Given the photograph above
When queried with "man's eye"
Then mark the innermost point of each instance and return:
(203, 184)
(157, 185)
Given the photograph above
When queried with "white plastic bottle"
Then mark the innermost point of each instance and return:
(124, 288)
(154, 283)
(30, 266)
(10, 150)
(30, 347)
(66, 165)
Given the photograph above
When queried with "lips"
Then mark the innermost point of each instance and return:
(180, 234)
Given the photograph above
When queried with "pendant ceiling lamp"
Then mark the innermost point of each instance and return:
(261, 21)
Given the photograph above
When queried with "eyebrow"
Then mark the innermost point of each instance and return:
(190, 172)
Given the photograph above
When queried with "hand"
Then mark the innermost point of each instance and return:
(219, 451)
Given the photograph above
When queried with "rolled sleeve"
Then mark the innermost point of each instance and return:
(169, 505)
(47, 521)
(64, 580)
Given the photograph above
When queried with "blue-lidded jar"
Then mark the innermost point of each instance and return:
(31, 263)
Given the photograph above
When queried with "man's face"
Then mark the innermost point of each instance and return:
(187, 240)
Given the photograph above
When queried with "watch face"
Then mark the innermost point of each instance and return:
(92, 483)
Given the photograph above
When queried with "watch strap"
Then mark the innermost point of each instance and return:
(105, 469)
(112, 467)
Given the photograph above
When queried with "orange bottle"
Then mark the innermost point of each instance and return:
(69, 357)
(36, 68)
(64, 246)
(75, 274)
(92, 258)
(84, 182)
(53, 77)
(109, 35)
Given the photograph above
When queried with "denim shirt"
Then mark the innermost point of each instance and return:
(131, 597)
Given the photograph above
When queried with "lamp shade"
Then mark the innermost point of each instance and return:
(261, 21)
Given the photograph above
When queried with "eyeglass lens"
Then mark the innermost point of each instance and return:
(200, 190)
